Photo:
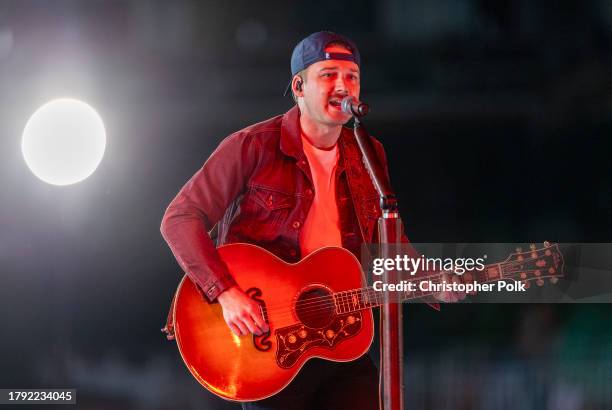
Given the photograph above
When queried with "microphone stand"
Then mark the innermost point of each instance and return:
(390, 229)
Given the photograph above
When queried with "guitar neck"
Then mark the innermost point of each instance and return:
(364, 298)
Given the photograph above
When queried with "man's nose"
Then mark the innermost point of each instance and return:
(340, 85)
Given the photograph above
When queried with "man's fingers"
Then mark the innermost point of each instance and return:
(459, 295)
(256, 315)
(235, 329)
(467, 278)
(443, 295)
(449, 296)
(243, 329)
(260, 322)
(250, 324)
(241, 313)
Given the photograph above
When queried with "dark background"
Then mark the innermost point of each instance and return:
(497, 121)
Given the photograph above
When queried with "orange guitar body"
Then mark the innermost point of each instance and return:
(302, 316)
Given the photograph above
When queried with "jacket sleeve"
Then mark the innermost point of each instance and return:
(413, 252)
(200, 204)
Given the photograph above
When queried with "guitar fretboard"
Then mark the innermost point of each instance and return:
(364, 298)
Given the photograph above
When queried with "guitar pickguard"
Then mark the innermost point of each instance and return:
(294, 340)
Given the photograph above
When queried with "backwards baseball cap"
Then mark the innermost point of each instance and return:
(312, 50)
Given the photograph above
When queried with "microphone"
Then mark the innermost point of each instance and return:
(354, 107)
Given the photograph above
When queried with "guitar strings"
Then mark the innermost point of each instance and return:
(347, 293)
(321, 303)
(345, 299)
(349, 297)
(325, 305)
(431, 277)
(326, 302)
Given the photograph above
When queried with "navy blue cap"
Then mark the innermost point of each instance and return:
(312, 50)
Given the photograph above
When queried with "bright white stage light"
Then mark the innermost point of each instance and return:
(63, 141)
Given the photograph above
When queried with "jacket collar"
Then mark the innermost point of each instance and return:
(290, 139)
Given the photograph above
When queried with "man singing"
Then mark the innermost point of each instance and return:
(291, 184)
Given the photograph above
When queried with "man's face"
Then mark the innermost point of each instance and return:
(326, 84)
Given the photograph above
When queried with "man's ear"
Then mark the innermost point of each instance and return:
(296, 85)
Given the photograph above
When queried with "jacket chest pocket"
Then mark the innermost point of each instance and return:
(271, 200)
(266, 211)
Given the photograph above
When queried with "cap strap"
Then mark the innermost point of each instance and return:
(341, 56)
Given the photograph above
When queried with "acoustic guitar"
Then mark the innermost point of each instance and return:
(318, 307)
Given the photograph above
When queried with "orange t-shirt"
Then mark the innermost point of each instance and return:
(321, 227)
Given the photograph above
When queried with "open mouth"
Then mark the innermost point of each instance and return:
(334, 102)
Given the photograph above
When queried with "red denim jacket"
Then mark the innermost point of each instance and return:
(258, 188)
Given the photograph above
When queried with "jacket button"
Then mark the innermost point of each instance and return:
(296, 224)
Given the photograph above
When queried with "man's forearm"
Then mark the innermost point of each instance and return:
(200, 204)
(186, 234)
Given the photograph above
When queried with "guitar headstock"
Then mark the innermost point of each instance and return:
(537, 264)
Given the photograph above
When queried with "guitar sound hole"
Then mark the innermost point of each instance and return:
(315, 307)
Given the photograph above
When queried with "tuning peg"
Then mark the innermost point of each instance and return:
(554, 280)
(537, 272)
(532, 247)
(546, 244)
(523, 275)
(551, 270)
(519, 249)
(527, 284)
(540, 282)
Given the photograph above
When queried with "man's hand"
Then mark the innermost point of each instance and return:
(241, 313)
(450, 296)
